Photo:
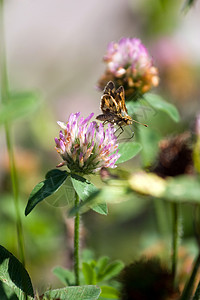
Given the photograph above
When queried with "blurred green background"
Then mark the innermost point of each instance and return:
(55, 48)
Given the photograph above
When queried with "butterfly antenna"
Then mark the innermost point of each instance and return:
(140, 123)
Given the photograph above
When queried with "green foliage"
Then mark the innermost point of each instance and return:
(149, 139)
(14, 275)
(82, 186)
(17, 106)
(73, 293)
(102, 271)
(158, 103)
(66, 276)
(95, 273)
(54, 179)
(128, 150)
(6, 292)
(64, 196)
(183, 189)
(89, 273)
(109, 292)
(87, 192)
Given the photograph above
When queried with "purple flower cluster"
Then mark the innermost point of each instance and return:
(85, 146)
(128, 63)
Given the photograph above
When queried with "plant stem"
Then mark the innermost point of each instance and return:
(4, 94)
(197, 293)
(175, 240)
(187, 292)
(162, 221)
(76, 242)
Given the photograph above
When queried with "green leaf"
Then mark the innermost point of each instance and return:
(111, 270)
(87, 292)
(183, 188)
(101, 265)
(86, 192)
(100, 208)
(66, 276)
(141, 109)
(109, 292)
(17, 106)
(65, 195)
(14, 275)
(83, 187)
(128, 150)
(42, 190)
(6, 292)
(89, 274)
(159, 104)
(149, 139)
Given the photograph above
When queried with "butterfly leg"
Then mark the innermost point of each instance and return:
(122, 130)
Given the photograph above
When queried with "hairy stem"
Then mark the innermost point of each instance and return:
(76, 242)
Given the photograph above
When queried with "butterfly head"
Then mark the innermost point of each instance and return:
(127, 120)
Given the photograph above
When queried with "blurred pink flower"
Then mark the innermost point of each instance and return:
(129, 64)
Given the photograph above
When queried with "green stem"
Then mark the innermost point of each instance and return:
(187, 292)
(162, 221)
(5, 98)
(76, 242)
(175, 240)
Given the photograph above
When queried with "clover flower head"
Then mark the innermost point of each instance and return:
(85, 146)
(129, 64)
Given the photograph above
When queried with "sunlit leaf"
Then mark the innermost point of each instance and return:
(50, 185)
(158, 103)
(14, 275)
(17, 106)
(88, 273)
(87, 292)
(87, 193)
(82, 186)
(128, 150)
(109, 292)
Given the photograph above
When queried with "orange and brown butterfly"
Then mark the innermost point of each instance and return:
(113, 107)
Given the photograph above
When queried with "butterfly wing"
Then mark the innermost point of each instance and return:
(109, 89)
(120, 99)
(109, 104)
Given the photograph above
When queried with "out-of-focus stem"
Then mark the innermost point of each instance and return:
(175, 240)
(4, 94)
